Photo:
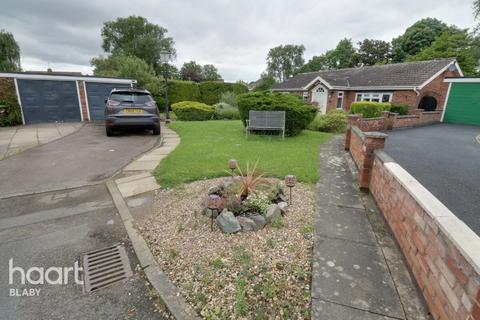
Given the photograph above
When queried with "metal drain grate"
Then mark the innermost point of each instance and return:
(105, 267)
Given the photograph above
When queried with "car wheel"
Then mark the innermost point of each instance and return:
(110, 132)
(156, 131)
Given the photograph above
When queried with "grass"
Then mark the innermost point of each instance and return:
(207, 146)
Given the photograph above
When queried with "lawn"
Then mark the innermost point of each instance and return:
(207, 146)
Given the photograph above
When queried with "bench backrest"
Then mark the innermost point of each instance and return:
(266, 119)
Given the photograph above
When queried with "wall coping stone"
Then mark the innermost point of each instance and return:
(376, 135)
(407, 116)
(465, 240)
(358, 132)
(382, 156)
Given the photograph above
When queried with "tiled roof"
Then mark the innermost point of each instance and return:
(407, 74)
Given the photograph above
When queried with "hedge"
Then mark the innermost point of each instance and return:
(210, 91)
(193, 111)
(401, 109)
(226, 111)
(369, 109)
(298, 113)
(333, 121)
(9, 107)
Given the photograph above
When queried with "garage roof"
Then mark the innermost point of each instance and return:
(407, 75)
(44, 76)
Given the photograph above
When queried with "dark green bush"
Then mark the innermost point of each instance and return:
(298, 113)
(182, 91)
(193, 111)
(369, 109)
(210, 91)
(334, 121)
(10, 114)
(226, 112)
(401, 109)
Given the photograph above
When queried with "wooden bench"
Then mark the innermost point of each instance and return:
(266, 121)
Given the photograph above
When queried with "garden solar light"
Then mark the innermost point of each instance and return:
(214, 204)
(232, 164)
(290, 181)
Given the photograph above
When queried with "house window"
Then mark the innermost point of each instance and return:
(374, 96)
(305, 96)
(339, 99)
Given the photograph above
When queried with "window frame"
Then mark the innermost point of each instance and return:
(340, 95)
(369, 96)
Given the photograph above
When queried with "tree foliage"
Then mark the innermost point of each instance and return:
(371, 52)
(284, 61)
(316, 63)
(343, 56)
(9, 52)
(135, 36)
(210, 73)
(191, 71)
(418, 36)
(453, 43)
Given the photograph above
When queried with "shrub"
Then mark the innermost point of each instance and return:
(369, 109)
(334, 121)
(226, 111)
(10, 109)
(182, 91)
(298, 113)
(401, 109)
(210, 91)
(193, 111)
(229, 97)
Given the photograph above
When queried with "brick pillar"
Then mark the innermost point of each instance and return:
(352, 120)
(372, 141)
(388, 119)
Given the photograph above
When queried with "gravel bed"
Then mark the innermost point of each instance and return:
(248, 275)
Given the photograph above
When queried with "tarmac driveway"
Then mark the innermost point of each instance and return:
(445, 158)
(84, 157)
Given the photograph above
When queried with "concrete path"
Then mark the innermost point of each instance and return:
(358, 272)
(137, 177)
(14, 140)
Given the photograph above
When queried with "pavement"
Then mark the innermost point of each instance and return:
(43, 228)
(358, 271)
(445, 159)
(17, 139)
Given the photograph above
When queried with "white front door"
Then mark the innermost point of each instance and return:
(319, 95)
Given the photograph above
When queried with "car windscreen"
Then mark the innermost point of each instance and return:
(135, 97)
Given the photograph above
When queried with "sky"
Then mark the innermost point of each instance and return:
(233, 35)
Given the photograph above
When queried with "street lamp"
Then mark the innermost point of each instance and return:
(165, 57)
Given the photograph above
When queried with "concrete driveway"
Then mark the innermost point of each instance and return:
(42, 228)
(445, 158)
(14, 140)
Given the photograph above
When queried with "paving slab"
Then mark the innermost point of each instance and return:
(141, 165)
(332, 311)
(132, 177)
(138, 186)
(152, 156)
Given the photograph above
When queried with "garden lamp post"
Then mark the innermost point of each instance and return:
(232, 165)
(214, 204)
(165, 57)
(290, 181)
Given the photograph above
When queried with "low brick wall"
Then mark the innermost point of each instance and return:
(442, 252)
(390, 120)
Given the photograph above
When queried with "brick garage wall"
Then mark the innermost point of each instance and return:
(83, 99)
(441, 251)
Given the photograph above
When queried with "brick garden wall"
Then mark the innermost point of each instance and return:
(391, 120)
(441, 251)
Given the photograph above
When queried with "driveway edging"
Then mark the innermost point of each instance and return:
(167, 291)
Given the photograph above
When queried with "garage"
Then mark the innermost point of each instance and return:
(463, 101)
(49, 101)
(61, 96)
(97, 92)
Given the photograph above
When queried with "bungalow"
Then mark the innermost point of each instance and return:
(419, 84)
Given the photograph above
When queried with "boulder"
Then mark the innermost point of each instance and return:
(216, 189)
(283, 206)
(282, 197)
(247, 224)
(227, 222)
(273, 212)
(259, 220)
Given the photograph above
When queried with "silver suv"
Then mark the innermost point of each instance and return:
(127, 108)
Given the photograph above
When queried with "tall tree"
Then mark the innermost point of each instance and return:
(210, 73)
(476, 11)
(264, 83)
(418, 36)
(452, 43)
(135, 36)
(124, 67)
(9, 52)
(316, 63)
(191, 71)
(343, 56)
(371, 52)
(284, 61)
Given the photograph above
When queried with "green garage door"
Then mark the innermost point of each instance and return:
(463, 106)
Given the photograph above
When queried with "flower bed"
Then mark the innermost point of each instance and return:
(252, 275)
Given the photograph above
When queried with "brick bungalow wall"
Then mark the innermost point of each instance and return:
(441, 251)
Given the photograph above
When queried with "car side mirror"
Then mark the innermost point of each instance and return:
(106, 100)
